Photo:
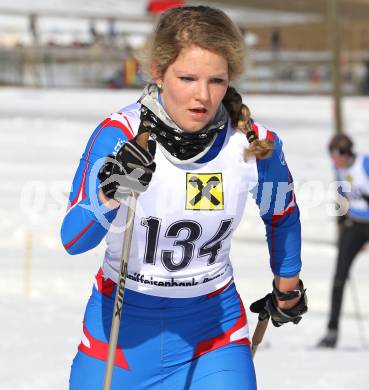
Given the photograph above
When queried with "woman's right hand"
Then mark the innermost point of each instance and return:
(130, 170)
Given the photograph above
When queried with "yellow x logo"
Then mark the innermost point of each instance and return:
(204, 191)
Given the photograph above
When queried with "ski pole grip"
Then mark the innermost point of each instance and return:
(143, 139)
(263, 315)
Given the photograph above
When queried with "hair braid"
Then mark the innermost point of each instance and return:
(240, 120)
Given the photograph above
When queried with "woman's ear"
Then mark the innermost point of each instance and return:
(155, 74)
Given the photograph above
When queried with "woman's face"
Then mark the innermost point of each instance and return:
(193, 87)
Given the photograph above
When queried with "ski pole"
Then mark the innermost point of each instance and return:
(119, 295)
(260, 329)
(358, 315)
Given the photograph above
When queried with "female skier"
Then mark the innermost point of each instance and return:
(183, 324)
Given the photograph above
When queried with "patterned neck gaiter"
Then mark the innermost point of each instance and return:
(183, 146)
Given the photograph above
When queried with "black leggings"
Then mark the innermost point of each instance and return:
(352, 238)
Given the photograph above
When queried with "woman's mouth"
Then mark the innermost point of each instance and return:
(198, 111)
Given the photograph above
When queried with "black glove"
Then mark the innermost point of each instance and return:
(268, 306)
(130, 170)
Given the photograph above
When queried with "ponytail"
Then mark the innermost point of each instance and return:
(240, 119)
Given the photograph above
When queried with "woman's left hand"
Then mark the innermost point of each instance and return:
(273, 302)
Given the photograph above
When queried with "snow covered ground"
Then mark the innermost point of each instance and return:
(43, 133)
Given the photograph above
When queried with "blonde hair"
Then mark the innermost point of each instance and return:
(206, 27)
(240, 120)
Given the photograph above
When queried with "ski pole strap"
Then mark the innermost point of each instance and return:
(292, 294)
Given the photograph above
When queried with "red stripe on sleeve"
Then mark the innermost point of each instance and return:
(128, 123)
(82, 186)
(79, 235)
(270, 136)
(127, 132)
(275, 219)
(107, 122)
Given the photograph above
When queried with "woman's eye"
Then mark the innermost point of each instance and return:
(218, 81)
(186, 78)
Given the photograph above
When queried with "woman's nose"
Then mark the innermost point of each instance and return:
(203, 92)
